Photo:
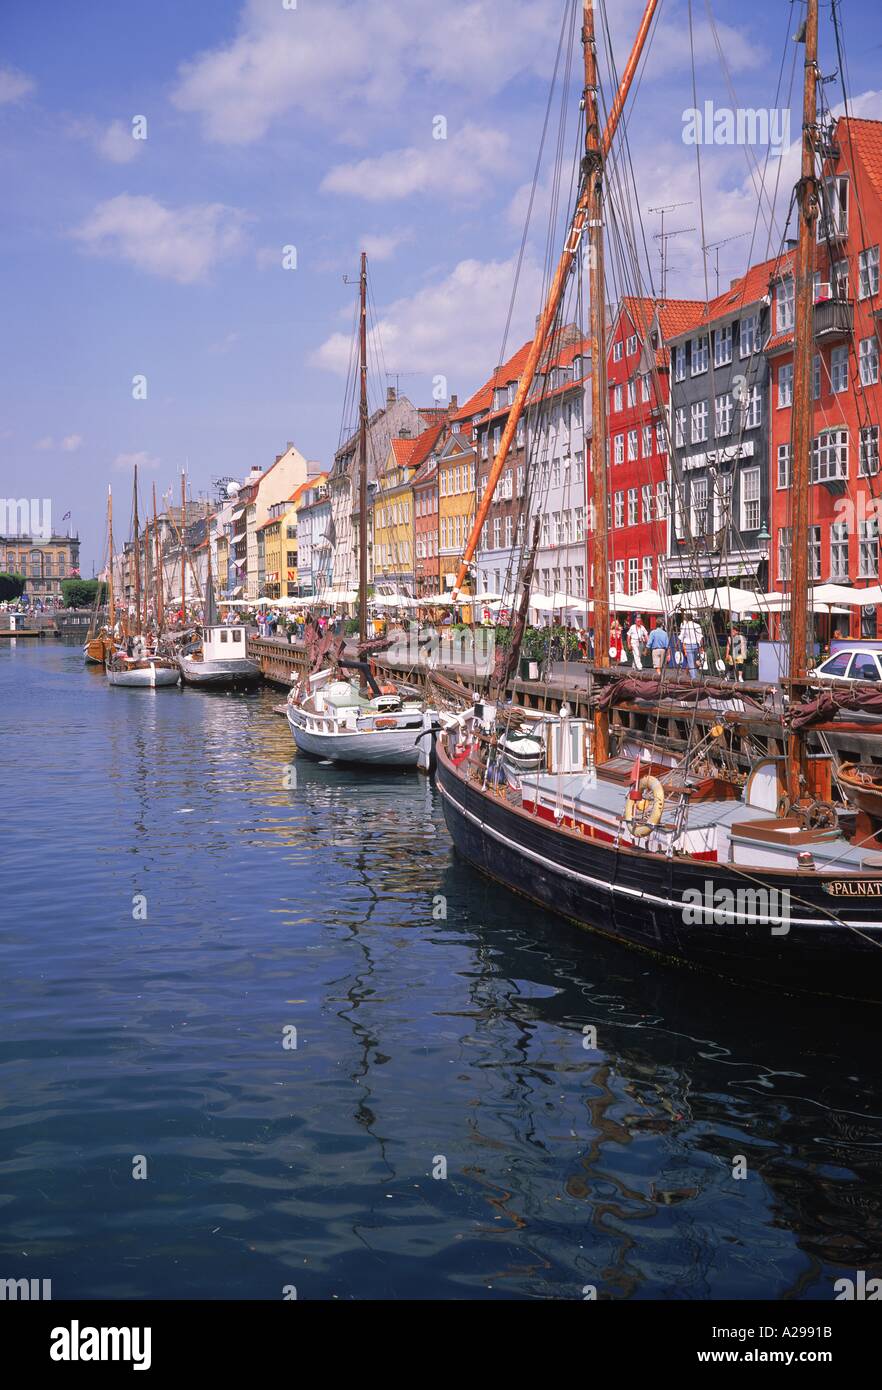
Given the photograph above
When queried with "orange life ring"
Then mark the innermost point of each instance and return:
(385, 723)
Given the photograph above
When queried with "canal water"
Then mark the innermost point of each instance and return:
(261, 1032)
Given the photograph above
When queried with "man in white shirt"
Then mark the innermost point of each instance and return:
(637, 639)
(691, 639)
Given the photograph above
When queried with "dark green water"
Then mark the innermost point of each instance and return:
(438, 1022)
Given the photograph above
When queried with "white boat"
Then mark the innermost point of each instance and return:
(141, 672)
(222, 660)
(337, 722)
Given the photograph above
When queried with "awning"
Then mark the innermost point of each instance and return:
(240, 536)
(236, 515)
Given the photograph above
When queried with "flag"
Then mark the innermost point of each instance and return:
(66, 515)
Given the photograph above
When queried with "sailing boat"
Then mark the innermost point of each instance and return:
(760, 885)
(99, 644)
(220, 658)
(137, 664)
(354, 721)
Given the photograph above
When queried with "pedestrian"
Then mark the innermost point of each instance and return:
(736, 652)
(637, 639)
(658, 646)
(691, 639)
(615, 639)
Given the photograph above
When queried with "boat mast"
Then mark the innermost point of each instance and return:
(807, 198)
(110, 597)
(362, 457)
(137, 549)
(597, 546)
(555, 295)
(157, 565)
(183, 558)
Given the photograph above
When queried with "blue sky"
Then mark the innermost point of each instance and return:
(309, 127)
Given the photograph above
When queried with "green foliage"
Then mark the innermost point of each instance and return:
(80, 593)
(11, 586)
(350, 627)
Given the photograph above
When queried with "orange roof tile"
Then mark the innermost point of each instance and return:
(865, 138)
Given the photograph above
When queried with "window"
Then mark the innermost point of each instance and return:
(580, 581)
(785, 385)
(830, 456)
(632, 392)
(619, 447)
(617, 351)
(632, 506)
(868, 460)
(699, 421)
(699, 506)
(632, 345)
(620, 576)
(869, 361)
(617, 398)
(497, 532)
(839, 368)
(519, 433)
(661, 440)
(632, 445)
(840, 278)
(661, 500)
(784, 546)
(783, 465)
(578, 523)
(833, 221)
(645, 387)
(647, 572)
(722, 501)
(679, 426)
(680, 362)
(520, 480)
(723, 414)
(839, 550)
(868, 272)
(868, 549)
(508, 531)
(816, 378)
(699, 356)
(863, 667)
(750, 502)
(837, 665)
(814, 552)
(747, 336)
(753, 408)
(723, 345)
(633, 575)
(555, 528)
(784, 305)
(646, 503)
(619, 509)
(647, 441)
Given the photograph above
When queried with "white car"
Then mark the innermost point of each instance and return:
(851, 663)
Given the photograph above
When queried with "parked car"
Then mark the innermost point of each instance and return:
(850, 663)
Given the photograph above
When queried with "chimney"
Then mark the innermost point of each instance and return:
(791, 243)
(390, 395)
(733, 283)
(454, 404)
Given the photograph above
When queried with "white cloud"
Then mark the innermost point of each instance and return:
(180, 244)
(458, 166)
(71, 442)
(125, 463)
(380, 247)
(451, 327)
(14, 85)
(116, 143)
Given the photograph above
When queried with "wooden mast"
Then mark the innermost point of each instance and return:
(183, 558)
(555, 295)
(807, 198)
(362, 456)
(157, 564)
(137, 550)
(597, 542)
(110, 595)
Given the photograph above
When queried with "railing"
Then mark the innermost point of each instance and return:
(834, 318)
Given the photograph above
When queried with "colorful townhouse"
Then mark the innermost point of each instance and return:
(846, 393)
(393, 524)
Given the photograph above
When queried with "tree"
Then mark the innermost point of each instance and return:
(80, 593)
(11, 586)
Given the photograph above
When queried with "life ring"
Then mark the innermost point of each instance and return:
(388, 689)
(385, 723)
(647, 807)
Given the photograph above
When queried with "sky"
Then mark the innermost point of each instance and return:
(186, 187)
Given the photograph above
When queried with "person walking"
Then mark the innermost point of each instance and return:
(615, 639)
(637, 639)
(658, 646)
(692, 639)
(736, 652)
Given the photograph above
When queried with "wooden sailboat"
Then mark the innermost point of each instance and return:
(760, 886)
(137, 664)
(357, 721)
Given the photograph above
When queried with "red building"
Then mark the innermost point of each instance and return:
(639, 390)
(844, 504)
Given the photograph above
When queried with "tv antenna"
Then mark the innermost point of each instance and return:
(663, 237)
(715, 246)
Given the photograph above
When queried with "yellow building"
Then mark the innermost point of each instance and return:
(456, 505)
(277, 547)
(394, 565)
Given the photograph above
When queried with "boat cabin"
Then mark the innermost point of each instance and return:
(221, 643)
